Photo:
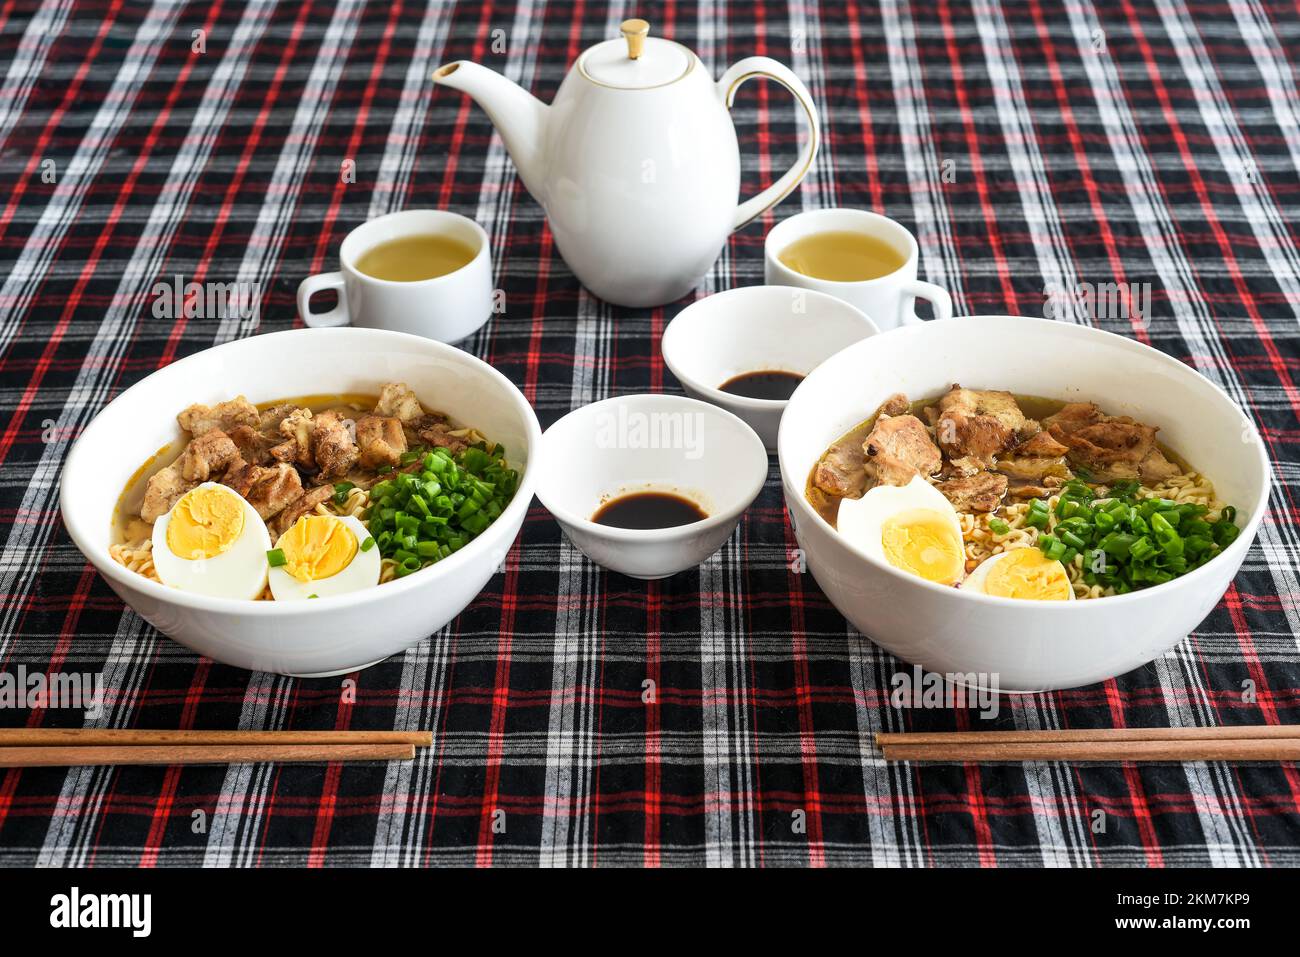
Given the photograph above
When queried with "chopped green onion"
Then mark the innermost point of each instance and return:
(998, 527)
(275, 557)
(368, 544)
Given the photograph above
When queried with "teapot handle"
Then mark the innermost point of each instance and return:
(748, 69)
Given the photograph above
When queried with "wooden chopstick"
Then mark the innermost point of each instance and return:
(132, 737)
(1247, 731)
(88, 756)
(1239, 743)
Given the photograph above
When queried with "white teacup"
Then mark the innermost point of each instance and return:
(447, 308)
(888, 300)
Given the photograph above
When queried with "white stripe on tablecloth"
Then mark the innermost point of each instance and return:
(868, 675)
(1275, 70)
(28, 62)
(275, 215)
(724, 835)
(1059, 837)
(24, 547)
(1195, 323)
(1036, 200)
(131, 648)
(71, 832)
(934, 236)
(1234, 150)
(567, 783)
(1279, 252)
(236, 822)
(29, 269)
(398, 161)
(1275, 245)
(400, 823)
(818, 187)
(710, 24)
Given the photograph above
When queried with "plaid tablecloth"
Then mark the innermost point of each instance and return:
(1030, 146)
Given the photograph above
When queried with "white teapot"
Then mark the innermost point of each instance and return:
(636, 162)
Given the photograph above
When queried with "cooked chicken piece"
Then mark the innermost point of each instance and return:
(226, 416)
(207, 455)
(896, 404)
(966, 465)
(898, 449)
(284, 452)
(1109, 447)
(977, 423)
(1033, 468)
(396, 399)
(1041, 445)
(299, 507)
(975, 493)
(1036, 457)
(162, 491)
(269, 420)
(332, 446)
(439, 435)
(267, 488)
(1026, 492)
(840, 470)
(381, 440)
(296, 428)
(253, 445)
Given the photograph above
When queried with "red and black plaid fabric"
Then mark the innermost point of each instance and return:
(1030, 146)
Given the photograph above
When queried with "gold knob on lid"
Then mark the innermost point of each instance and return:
(634, 32)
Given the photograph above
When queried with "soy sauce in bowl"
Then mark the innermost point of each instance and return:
(648, 510)
(766, 384)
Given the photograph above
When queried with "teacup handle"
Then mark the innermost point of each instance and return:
(756, 66)
(338, 316)
(915, 289)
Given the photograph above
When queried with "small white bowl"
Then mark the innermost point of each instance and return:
(649, 443)
(757, 329)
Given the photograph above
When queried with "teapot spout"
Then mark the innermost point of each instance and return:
(519, 116)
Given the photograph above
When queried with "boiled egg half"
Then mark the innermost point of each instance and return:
(1021, 573)
(324, 555)
(912, 527)
(212, 542)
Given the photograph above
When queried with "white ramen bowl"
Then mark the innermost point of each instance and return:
(985, 640)
(650, 443)
(757, 329)
(329, 635)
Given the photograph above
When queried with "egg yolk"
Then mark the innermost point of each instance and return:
(923, 541)
(205, 523)
(316, 547)
(1028, 573)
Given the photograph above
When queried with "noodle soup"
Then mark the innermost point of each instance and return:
(308, 497)
(1019, 496)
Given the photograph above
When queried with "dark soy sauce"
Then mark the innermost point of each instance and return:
(646, 510)
(769, 384)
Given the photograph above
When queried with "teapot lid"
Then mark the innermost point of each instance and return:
(637, 62)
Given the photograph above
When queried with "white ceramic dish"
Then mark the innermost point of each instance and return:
(1029, 646)
(757, 329)
(609, 448)
(329, 635)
